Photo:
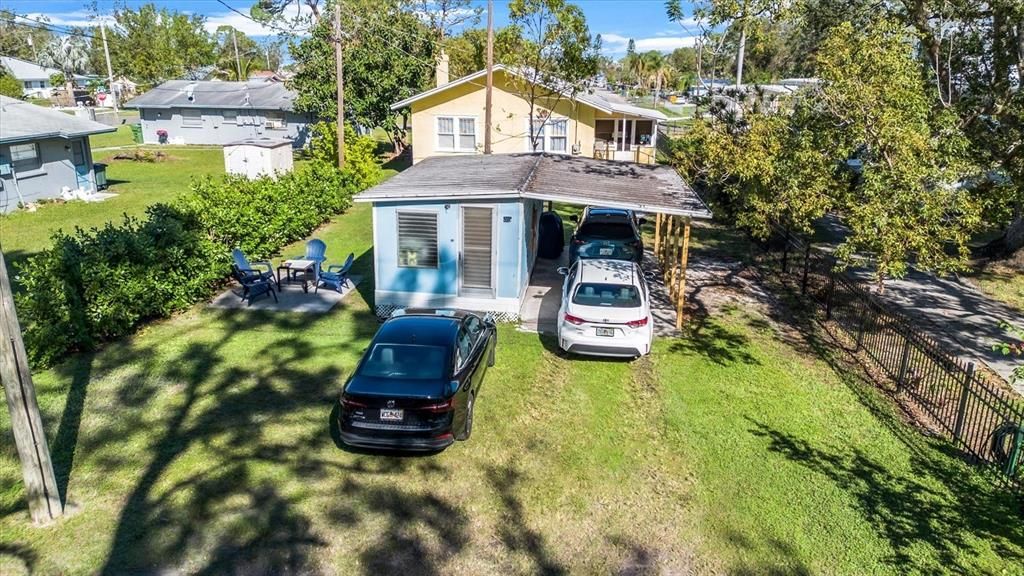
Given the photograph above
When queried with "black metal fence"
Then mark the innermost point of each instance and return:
(979, 414)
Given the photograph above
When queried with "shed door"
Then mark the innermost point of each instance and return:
(477, 257)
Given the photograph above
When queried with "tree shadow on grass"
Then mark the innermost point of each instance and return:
(939, 504)
(222, 511)
(715, 342)
(785, 559)
(513, 530)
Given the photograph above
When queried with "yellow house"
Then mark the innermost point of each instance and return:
(449, 120)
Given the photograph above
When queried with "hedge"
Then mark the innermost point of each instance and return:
(100, 284)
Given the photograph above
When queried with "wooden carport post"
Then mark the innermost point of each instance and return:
(681, 286)
(665, 246)
(657, 235)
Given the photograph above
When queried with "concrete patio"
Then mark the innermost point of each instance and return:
(290, 298)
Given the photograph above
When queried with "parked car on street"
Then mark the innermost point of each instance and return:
(606, 309)
(417, 383)
(610, 233)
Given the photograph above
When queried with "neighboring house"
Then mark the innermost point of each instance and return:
(42, 151)
(449, 120)
(213, 112)
(35, 79)
(462, 231)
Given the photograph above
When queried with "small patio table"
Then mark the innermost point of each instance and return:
(296, 269)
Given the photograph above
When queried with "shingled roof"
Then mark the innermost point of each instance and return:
(253, 94)
(570, 179)
(22, 122)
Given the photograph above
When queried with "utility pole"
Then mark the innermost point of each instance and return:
(341, 85)
(238, 63)
(490, 76)
(110, 69)
(44, 503)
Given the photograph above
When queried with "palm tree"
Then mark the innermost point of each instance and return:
(70, 55)
(662, 75)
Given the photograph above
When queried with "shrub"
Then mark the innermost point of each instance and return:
(100, 284)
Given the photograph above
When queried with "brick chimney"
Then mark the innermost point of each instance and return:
(442, 68)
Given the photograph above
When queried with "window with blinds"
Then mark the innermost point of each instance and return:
(456, 133)
(417, 239)
(549, 136)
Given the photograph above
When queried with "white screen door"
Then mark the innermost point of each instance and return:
(476, 272)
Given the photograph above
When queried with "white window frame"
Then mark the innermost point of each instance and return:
(456, 120)
(224, 114)
(545, 137)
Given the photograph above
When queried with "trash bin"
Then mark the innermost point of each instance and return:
(101, 175)
(137, 133)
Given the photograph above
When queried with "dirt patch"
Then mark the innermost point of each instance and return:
(141, 155)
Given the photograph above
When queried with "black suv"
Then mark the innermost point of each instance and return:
(611, 233)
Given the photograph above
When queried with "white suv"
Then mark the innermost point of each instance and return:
(606, 309)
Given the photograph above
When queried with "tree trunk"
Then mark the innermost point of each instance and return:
(1013, 239)
(740, 52)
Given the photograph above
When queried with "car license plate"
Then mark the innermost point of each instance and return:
(606, 251)
(606, 332)
(391, 414)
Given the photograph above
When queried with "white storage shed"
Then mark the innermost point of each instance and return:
(258, 157)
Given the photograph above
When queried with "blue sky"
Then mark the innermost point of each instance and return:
(616, 20)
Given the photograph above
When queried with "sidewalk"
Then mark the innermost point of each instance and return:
(953, 312)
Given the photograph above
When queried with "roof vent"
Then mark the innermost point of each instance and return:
(190, 92)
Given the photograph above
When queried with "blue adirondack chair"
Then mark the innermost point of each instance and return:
(244, 269)
(336, 275)
(255, 281)
(316, 250)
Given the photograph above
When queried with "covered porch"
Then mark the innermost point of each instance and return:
(626, 139)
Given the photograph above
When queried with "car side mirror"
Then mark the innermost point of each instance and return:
(642, 221)
(574, 218)
(563, 270)
(453, 386)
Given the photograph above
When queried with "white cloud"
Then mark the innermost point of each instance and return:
(616, 44)
(77, 18)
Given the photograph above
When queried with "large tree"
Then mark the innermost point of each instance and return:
(558, 56)
(151, 44)
(22, 38)
(388, 56)
(901, 195)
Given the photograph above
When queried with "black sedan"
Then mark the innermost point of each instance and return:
(417, 383)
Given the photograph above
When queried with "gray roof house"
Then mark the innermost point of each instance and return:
(35, 79)
(214, 112)
(43, 151)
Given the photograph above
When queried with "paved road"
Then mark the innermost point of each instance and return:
(956, 313)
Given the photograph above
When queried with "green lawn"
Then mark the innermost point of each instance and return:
(123, 137)
(201, 445)
(137, 185)
(1002, 282)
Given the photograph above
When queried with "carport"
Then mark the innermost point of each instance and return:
(649, 189)
(461, 230)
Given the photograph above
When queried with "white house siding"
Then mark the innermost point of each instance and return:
(56, 171)
(214, 130)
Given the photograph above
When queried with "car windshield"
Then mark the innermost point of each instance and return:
(405, 361)
(605, 231)
(608, 295)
